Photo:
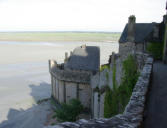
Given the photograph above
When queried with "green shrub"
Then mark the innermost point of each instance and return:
(108, 104)
(107, 76)
(106, 66)
(156, 49)
(130, 71)
(69, 112)
(115, 100)
(114, 77)
(129, 79)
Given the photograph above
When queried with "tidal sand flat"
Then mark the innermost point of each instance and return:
(25, 79)
(60, 36)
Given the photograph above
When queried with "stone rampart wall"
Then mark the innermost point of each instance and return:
(104, 79)
(70, 84)
(132, 116)
(63, 91)
(130, 47)
(77, 76)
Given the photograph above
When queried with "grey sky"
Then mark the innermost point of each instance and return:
(76, 15)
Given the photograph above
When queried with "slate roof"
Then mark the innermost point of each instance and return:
(142, 32)
(87, 58)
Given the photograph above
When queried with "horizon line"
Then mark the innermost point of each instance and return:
(60, 31)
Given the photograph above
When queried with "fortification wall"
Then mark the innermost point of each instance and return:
(70, 84)
(104, 79)
(78, 76)
(101, 81)
(72, 76)
(63, 91)
(132, 116)
(130, 47)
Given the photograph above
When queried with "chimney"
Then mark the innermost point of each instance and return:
(71, 53)
(131, 29)
(164, 19)
(66, 57)
(83, 46)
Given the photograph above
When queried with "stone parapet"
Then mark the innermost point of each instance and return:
(72, 76)
(132, 116)
(78, 76)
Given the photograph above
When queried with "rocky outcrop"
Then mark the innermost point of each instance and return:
(132, 116)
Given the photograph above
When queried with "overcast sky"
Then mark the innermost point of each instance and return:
(76, 15)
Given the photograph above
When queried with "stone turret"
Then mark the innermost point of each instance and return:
(71, 79)
(131, 29)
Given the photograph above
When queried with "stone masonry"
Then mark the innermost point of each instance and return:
(71, 79)
(132, 116)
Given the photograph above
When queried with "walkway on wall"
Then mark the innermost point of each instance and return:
(156, 108)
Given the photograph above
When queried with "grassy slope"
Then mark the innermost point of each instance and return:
(59, 36)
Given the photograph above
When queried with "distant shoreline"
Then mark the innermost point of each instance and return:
(60, 36)
(33, 41)
(58, 32)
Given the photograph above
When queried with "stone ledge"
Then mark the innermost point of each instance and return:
(132, 116)
(72, 76)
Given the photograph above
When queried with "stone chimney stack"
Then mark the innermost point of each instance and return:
(83, 46)
(71, 53)
(164, 19)
(131, 29)
(66, 57)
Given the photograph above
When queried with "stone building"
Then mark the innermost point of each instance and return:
(79, 76)
(133, 41)
(135, 36)
(71, 79)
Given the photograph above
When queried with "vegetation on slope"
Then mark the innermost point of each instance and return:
(105, 66)
(156, 49)
(116, 99)
(70, 111)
